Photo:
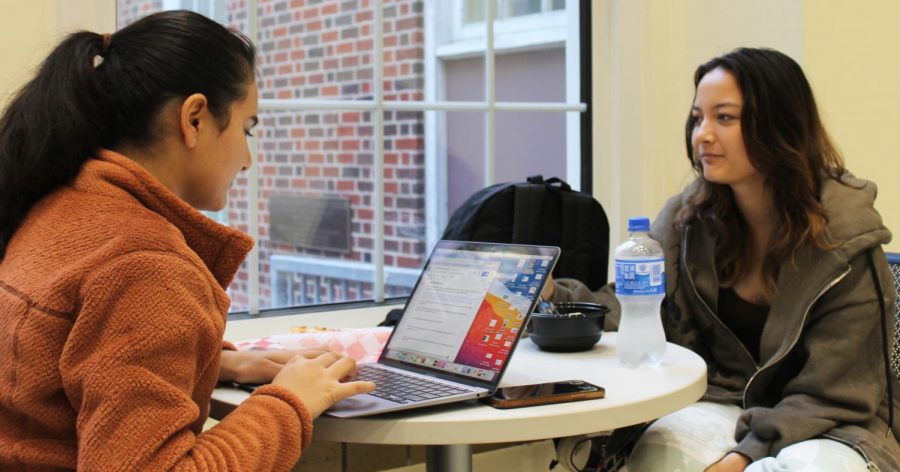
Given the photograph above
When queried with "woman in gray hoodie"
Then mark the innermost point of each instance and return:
(776, 277)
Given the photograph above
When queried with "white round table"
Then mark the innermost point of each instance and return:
(633, 395)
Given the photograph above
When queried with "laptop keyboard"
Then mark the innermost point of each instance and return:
(401, 388)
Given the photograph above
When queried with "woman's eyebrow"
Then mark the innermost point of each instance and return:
(720, 105)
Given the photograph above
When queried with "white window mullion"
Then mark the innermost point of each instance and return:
(305, 105)
(573, 94)
(436, 205)
(379, 152)
(489, 88)
(253, 196)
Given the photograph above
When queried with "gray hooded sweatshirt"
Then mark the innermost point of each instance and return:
(821, 370)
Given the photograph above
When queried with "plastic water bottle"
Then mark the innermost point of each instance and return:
(640, 288)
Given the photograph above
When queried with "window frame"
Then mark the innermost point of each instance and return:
(536, 30)
(527, 32)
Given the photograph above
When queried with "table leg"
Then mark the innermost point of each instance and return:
(448, 458)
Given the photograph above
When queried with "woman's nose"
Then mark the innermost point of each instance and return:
(704, 132)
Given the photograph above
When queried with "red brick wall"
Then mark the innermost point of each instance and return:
(323, 49)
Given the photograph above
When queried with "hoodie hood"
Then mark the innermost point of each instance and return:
(853, 223)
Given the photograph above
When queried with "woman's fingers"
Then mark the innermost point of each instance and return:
(284, 355)
(325, 359)
(268, 369)
(318, 381)
(280, 356)
(312, 353)
(342, 367)
(348, 389)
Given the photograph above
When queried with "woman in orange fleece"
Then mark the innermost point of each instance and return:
(112, 284)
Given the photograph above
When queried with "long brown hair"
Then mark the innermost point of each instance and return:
(787, 143)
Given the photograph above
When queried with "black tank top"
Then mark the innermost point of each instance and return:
(744, 318)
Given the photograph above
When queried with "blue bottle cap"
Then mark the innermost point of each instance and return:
(638, 223)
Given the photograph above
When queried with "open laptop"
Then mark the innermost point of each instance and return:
(458, 329)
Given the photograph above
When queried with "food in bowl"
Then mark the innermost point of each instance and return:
(577, 326)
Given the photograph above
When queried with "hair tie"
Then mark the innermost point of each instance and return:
(98, 59)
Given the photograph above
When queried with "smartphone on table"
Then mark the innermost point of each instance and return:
(544, 393)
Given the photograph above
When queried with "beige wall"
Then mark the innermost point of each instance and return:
(851, 55)
(645, 52)
(26, 29)
(30, 29)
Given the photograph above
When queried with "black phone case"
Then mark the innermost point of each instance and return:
(549, 399)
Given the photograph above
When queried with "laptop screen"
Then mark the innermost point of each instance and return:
(469, 307)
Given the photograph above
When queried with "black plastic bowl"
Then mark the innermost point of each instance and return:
(565, 332)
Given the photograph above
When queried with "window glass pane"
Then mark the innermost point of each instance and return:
(236, 214)
(464, 79)
(530, 52)
(558, 5)
(465, 131)
(511, 8)
(316, 167)
(465, 156)
(404, 200)
(405, 218)
(532, 76)
(526, 143)
(530, 143)
(473, 11)
(316, 210)
(320, 50)
(404, 51)
(317, 235)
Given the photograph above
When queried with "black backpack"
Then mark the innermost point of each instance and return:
(540, 212)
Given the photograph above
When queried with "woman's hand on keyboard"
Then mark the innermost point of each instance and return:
(317, 381)
(258, 367)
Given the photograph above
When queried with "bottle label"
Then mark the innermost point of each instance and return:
(641, 277)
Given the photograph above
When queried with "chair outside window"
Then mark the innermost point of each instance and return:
(894, 262)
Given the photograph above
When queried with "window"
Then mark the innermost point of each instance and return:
(371, 135)
(474, 11)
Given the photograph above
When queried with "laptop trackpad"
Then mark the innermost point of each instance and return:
(359, 405)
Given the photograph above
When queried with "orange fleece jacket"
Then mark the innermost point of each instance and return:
(112, 311)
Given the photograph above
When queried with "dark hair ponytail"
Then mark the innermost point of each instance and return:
(48, 129)
(73, 107)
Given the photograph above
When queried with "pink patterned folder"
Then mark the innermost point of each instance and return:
(362, 344)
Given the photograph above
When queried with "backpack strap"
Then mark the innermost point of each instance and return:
(552, 182)
(577, 234)
(557, 182)
(529, 200)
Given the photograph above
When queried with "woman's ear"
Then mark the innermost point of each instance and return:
(194, 115)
